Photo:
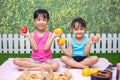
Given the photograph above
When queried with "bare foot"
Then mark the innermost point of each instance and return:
(68, 67)
(83, 66)
(21, 68)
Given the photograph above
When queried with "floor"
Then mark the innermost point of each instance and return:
(8, 71)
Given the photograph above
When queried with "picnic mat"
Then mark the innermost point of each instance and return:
(8, 71)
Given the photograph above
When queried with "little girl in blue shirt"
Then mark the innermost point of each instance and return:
(77, 54)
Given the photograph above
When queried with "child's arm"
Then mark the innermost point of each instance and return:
(88, 47)
(67, 52)
(31, 39)
(49, 41)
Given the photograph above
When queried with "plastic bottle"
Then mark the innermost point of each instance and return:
(118, 72)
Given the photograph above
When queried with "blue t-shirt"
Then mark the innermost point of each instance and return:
(78, 48)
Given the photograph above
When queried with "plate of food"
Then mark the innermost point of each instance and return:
(27, 75)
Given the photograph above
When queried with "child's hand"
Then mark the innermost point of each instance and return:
(56, 35)
(58, 31)
(24, 30)
(60, 45)
(95, 39)
(61, 41)
(91, 42)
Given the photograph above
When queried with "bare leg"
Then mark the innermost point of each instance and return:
(68, 67)
(37, 68)
(72, 63)
(45, 66)
(26, 63)
(90, 60)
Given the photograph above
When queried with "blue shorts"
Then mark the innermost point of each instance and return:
(79, 58)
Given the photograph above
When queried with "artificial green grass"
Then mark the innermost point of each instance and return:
(114, 58)
(5, 56)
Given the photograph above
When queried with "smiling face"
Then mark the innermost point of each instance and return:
(78, 27)
(41, 22)
(41, 17)
(78, 30)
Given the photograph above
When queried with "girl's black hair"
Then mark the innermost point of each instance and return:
(43, 12)
(80, 21)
